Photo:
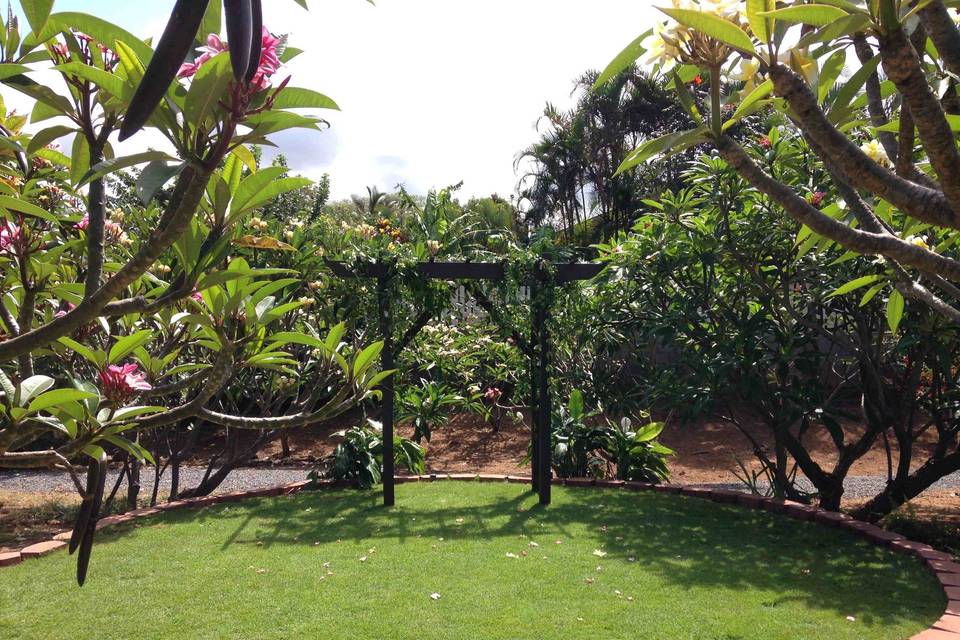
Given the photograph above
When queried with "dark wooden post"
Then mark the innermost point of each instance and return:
(543, 384)
(386, 364)
(534, 401)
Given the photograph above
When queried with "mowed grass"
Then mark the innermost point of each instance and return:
(595, 564)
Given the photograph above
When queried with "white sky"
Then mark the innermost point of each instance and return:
(432, 92)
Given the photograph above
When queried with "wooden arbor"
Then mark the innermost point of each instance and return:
(536, 348)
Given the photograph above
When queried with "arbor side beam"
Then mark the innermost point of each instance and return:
(532, 369)
(386, 364)
(543, 391)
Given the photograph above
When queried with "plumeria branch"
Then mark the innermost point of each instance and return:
(944, 33)
(921, 202)
(903, 68)
(184, 203)
(865, 242)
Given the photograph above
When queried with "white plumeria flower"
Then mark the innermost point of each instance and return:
(659, 52)
(875, 151)
(747, 71)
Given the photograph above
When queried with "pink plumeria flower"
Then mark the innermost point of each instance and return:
(83, 224)
(120, 384)
(268, 65)
(62, 312)
(10, 237)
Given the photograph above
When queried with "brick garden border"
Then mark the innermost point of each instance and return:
(943, 566)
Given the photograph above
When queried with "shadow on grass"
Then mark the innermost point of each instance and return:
(686, 542)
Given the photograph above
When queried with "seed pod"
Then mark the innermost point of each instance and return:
(171, 51)
(86, 546)
(86, 508)
(256, 39)
(239, 17)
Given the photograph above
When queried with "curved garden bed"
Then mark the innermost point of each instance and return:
(470, 560)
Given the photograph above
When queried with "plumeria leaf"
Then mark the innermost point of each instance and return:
(26, 208)
(853, 285)
(761, 26)
(297, 98)
(668, 144)
(817, 15)
(713, 26)
(895, 307)
(126, 344)
(624, 59)
(58, 397)
(116, 164)
(32, 387)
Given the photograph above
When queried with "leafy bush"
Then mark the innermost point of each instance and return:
(359, 458)
(581, 448)
(638, 455)
(427, 405)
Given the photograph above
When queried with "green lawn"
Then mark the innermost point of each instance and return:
(595, 564)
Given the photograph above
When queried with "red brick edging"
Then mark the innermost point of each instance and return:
(942, 565)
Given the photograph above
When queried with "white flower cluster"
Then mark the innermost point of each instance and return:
(672, 42)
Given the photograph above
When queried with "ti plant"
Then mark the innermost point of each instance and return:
(119, 321)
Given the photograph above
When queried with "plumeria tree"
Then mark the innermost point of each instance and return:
(869, 87)
(118, 321)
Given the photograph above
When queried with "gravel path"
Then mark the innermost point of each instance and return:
(239, 480)
(255, 478)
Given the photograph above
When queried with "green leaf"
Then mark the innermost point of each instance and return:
(116, 164)
(365, 359)
(26, 208)
(872, 293)
(102, 31)
(252, 185)
(853, 285)
(37, 11)
(624, 59)
(274, 189)
(9, 70)
(759, 92)
(713, 26)
(575, 405)
(287, 337)
(153, 177)
(818, 15)
(297, 98)
(686, 99)
(79, 158)
(895, 307)
(761, 26)
(672, 143)
(208, 88)
(58, 397)
(845, 26)
(108, 82)
(649, 432)
(33, 386)
(212, 21)
(126, 344)
(45, 136)
(829, 73)
(85, 352)
(851, 87)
